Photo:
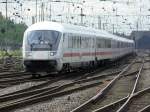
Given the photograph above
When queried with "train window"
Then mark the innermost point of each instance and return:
(89, 42)
(78, 41)
(63, 37)
(118, 45)
(74, 41)
(101, 43)
(122, 44)
(129, 45)
(82, 42)
(49, 38)
(108, 43)
(93, 43)
(70, 43)
(113, 44)
(98, 44)
(86, 42)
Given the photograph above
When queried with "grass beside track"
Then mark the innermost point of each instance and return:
(14, 53)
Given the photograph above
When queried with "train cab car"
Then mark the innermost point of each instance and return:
(51, 46)
(40, 47)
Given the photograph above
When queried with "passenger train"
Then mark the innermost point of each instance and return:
(52, 46)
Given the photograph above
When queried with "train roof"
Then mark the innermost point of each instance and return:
(62, 27)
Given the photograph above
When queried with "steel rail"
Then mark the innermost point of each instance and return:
(55, 88)
(31, 100)
(57, 79)
(125, 105)
(48, 92)
(36, 87)
(145, 109)
(102, 92)
(12, 74)
(122, 100)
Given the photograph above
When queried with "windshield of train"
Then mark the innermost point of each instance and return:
(43, 40)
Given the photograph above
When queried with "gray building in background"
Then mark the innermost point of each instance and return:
(142, 39)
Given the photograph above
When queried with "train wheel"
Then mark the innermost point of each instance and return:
(35, 75)
(28, 69)
(68, 68)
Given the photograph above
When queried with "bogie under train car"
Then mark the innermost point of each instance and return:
(51, 46)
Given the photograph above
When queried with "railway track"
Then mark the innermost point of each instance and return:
(118, 88)
(136, 101)
(8, 79)
(145, 109)
(14, 78)
(6, 75)
(77, 76)
(41, 93)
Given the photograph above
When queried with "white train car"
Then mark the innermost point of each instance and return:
(51, 46)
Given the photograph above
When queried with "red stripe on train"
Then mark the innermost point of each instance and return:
(71, 54)
(103, 53)
(86, 54)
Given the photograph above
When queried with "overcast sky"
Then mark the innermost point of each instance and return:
(131, 14)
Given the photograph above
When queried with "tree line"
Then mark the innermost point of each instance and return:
(11, 33)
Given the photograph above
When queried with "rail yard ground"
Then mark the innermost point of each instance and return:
(126, 83)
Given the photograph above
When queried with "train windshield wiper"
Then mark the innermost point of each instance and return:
(32, 44)
(50, 45)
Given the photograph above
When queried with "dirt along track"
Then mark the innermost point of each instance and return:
(67, 88)
(137, 99)
(10, 64)
(139, 102)
(120, 87)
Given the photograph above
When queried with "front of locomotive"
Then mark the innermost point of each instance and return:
(41, 44)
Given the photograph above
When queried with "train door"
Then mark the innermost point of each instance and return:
(70, 47)
(67, 48)
(76, 49)
(91, 48)
(95, 50)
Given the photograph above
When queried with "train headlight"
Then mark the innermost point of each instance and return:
(51, 54)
